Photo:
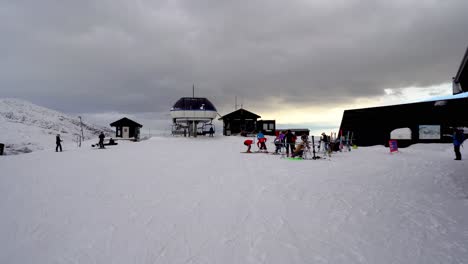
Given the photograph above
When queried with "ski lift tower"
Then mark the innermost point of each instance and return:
(188, 112)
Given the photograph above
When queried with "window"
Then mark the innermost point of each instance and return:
(429, 132)
(401, 133)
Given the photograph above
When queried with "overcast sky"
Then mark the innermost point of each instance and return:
(100, 56)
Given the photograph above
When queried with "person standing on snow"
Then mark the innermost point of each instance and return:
(101, 140)
(326, 142)
(458, 138)
(290, 140)
(261, 141)
(279, 142)
(58, 141)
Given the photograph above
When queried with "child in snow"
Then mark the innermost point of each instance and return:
(248, 143)
(279, 142)
(261, 143)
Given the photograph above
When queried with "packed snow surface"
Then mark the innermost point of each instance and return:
(179, 200)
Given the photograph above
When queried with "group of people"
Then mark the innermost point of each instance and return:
(261, 143)
(285, 139)
(58, 142)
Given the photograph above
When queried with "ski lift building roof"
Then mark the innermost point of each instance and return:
(373, 126)
(461, 79)
(193, 109)
(193, 104)
(125, 122)
(240, 114)
(126, 128)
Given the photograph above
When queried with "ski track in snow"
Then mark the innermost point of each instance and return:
(179, 200)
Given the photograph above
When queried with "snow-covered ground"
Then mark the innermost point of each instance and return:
(26, 127)
(179, 200)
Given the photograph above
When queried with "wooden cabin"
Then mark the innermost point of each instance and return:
(239, 121)
(127, 129)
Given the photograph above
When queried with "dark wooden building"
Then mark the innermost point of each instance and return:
(267, 126)
(126, 128)
(429, 122)
(239, 121)
(426, 122)
(296, 131)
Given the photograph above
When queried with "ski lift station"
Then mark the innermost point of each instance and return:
(193, 116)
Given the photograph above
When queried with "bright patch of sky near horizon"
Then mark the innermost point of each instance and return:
(316, 118)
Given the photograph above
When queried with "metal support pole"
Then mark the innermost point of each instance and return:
(82, 133)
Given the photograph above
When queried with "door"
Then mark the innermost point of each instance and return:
(125, 132)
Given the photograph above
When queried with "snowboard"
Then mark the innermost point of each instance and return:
(294, 158)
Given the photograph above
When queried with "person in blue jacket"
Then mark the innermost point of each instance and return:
(458, 138)
(261, 141)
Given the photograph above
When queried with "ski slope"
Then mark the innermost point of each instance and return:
(179, 200)
(27, 127)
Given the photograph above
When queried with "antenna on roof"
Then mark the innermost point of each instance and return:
(235, 105)
(193, 90)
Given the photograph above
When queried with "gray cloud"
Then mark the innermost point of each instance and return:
(141, 56)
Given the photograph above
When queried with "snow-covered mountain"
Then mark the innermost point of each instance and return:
(26, 127)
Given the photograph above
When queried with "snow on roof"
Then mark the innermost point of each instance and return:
(446, 97)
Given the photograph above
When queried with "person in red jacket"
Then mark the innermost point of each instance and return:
(248, 143)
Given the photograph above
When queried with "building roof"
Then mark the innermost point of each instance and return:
(193, 103)
(462, 73)
(125, 122)
(240, 113)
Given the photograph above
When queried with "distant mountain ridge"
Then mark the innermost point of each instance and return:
(26, 127)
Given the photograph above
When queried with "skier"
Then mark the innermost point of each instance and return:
(261, 141)
(101, 140)
(211, 131)
(248, 143)
(279, 142)
(58, 142)
(458, 138)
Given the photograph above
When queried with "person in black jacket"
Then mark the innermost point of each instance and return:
(326, 142)
(58, 142)
(289, 142)
(101, 140)
(458, 138)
